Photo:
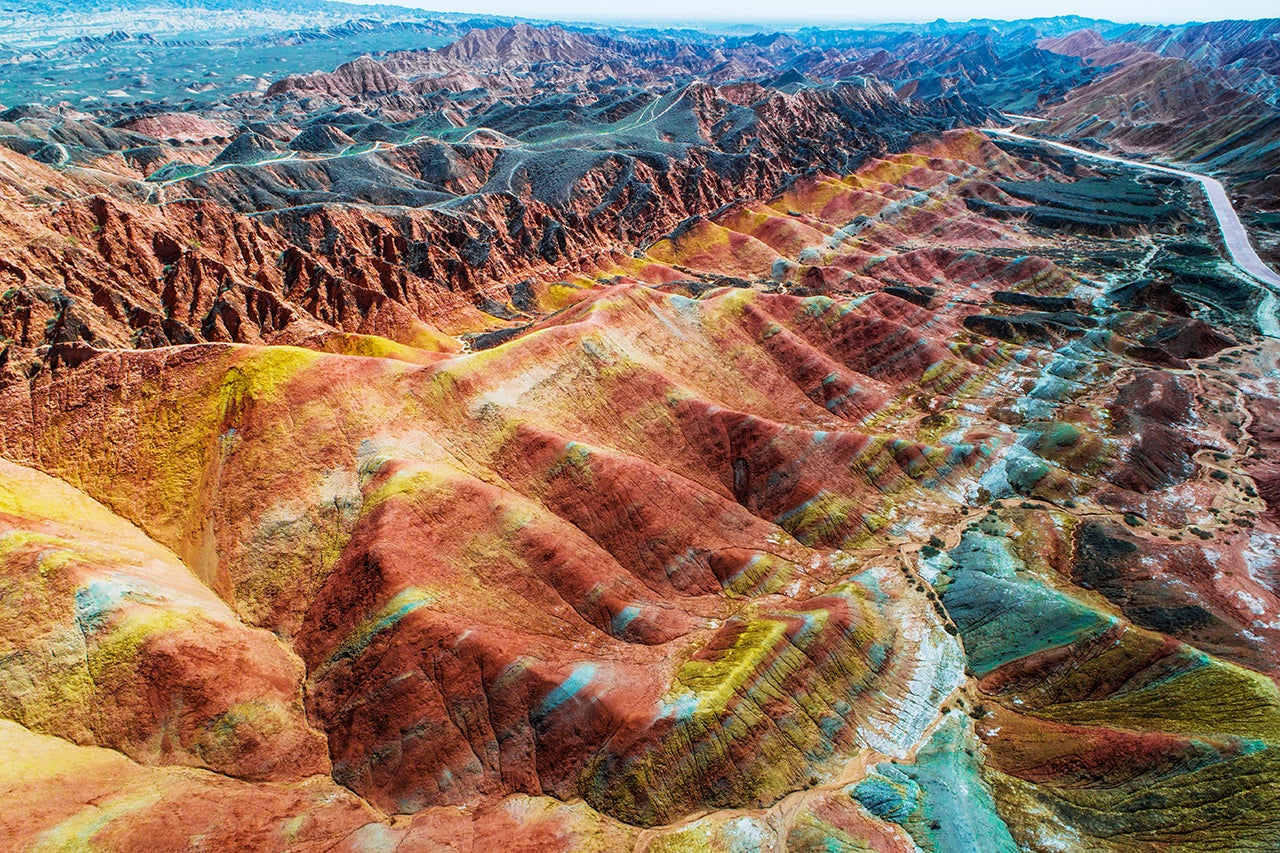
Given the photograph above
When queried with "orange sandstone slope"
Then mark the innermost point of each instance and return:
(840, 518)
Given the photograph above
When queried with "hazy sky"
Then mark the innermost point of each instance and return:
(825, 10)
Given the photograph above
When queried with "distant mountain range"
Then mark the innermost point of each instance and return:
(58, 7)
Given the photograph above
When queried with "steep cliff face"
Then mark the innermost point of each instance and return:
(401, 236)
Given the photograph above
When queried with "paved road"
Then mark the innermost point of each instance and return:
(1233, 232)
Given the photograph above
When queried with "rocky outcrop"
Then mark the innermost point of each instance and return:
(362, 78)
(455, 221)
(246, 149)
(321, 139)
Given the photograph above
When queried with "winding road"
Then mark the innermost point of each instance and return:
(1233, 231)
